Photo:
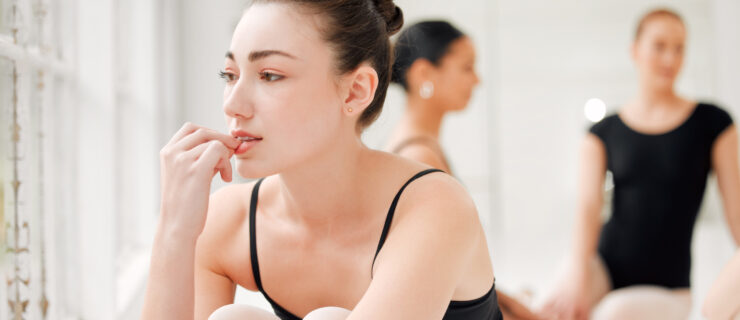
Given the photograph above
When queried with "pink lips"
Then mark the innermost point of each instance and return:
(248, 140)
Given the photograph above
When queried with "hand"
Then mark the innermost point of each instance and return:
(570, 302)
(188, 163)
(515, 310)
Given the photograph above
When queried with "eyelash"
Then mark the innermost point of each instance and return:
(227, 76)
(267, 76)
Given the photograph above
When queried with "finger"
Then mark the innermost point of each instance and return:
(549, 307)
(223, 165)
(582, 314)
(196, 152)
(185, 130)
(215, 152)
(226, 170)
(574, 315)
(223, 170)
(203, 135)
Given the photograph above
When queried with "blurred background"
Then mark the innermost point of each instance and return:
(90, 90)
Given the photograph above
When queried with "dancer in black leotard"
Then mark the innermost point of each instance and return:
(303, 79)
(660, 149)
(435, 64)
(659, 182)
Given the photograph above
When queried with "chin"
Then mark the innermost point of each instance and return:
(253, 169)
(664, 84)
(457, 105)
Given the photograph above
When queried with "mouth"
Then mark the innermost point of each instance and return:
(248, 141)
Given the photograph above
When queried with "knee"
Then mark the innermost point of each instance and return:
(328, 313)
(643, 303)
(241, 311)
(612, 308)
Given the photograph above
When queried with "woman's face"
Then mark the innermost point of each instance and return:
(281, 88)
(455, 77)
(658, 52)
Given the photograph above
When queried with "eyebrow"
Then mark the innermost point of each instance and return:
(256, 55)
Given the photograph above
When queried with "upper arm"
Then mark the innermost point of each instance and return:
(592, 172)
(425, 255)
(725, 165)
(213, 288)
(425, 155)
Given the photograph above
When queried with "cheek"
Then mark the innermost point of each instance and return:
(299, 119)
(647, 60)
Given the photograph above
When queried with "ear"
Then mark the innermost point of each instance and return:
(633, 50)
(420, 71)
(362, 84)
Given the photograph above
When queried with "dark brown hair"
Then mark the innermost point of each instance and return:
(359, 31)
(656, 13)
(430, 40)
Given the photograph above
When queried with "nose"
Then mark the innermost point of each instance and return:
(671, 58)
(238, 101)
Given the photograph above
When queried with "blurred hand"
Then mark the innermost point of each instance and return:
(188, 163)
(515, 310)
(569, 302)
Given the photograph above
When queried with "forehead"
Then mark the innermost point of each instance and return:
(462, 47)
(277, 26)
(664, 27)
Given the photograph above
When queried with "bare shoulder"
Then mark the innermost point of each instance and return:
(226, 223)
(227, 207)
(440, 201)
(436, 195)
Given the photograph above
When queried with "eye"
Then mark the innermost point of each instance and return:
(269, 76)
(227, 76)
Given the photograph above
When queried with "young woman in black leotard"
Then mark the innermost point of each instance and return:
(660, 149)
(435, 64)
(335, 230)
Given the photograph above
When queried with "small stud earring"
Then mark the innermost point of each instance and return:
(350, 110)
(427, 90)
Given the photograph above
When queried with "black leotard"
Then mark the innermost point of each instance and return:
(483, 308)
(659, 183)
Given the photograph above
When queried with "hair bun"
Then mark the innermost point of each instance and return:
(392, 15)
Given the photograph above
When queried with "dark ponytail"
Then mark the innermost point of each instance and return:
(359, 31)
(428, 40)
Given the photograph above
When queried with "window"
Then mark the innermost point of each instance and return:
(83, 113)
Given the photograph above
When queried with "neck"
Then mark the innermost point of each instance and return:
(651, 97)
(323, 192)
(422, 117)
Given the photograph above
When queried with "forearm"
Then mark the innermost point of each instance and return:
(723, 299)
(733, 219)
(587, 228)
(170, 288)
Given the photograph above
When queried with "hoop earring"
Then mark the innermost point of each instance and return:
(427, 90)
